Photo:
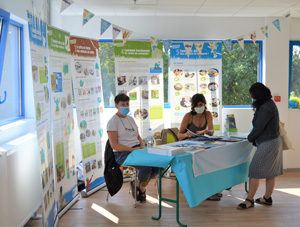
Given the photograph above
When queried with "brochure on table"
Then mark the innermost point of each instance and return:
(139, 74)
(62, 116)
(195, 67)
(41, 87)
(87, 84)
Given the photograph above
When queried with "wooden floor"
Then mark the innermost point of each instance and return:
(119, 210)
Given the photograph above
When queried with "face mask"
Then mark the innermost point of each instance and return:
(200, 110)
(124, 110)
(253, 100)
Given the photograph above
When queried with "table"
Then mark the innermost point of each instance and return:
(214, 180)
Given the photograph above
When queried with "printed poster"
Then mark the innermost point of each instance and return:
(41, 89)
(86, 75)
(200, 72)
(139, 74)
(62, 116)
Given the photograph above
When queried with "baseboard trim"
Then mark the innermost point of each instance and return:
(291, 170)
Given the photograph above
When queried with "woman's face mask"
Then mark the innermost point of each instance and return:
(199, 110)
(124, 110)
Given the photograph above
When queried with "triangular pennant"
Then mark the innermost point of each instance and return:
(277, 24)
(154, 42)
(167, 44)
(104, 26)
(241, 41)
(87, 15)
(188, 47)
(264, 30)
(213, 46)
(65, 4)
(126, 34)
(115, 31)
(199, 46)
(253, 37)
(227, 44)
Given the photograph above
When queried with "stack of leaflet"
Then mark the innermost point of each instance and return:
(166, 149)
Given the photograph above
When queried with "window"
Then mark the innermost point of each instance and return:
(240, 69)
(10, 71)
(294, 83)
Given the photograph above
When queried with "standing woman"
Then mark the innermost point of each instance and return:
(267, 161)
(199, 120)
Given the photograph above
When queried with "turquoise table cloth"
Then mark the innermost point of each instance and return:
(197, 189)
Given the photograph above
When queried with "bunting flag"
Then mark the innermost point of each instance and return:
(167, 44)
(126, 34)
(241, 41)
(87, 15)
(115, 31)
(277, 24)
(227, 44)
(253, 37)
(188, 47)
(154, 42)
(65, 4)
(199, 46)
(104, 25)
(264, 30)
(213, 47)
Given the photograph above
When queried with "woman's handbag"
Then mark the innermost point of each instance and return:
(287, 144)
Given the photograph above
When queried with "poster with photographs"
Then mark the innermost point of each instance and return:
(198, 72)
(139, 74)
(89, 103)
(41, 89)
(62, 116)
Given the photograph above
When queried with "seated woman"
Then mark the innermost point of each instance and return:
(199, 121)
(124, 138)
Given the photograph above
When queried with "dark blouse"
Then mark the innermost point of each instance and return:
(192, 127)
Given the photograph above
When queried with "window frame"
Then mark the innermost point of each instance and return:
(260, 66)
(6, 21)
(291, 44)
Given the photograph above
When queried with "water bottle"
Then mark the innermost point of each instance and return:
(149, 138)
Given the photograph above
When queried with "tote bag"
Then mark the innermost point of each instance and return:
(287, 144)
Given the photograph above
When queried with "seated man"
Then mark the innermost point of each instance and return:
(124, 138)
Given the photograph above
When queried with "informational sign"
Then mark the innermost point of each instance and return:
(139, 74)
(62, 116)
(41, 89)
(87, 84)
(196, 67)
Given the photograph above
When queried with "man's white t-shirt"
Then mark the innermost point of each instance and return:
(126, 128)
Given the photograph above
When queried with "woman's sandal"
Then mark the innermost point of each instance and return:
(142, 196)
(243, 206)
(268, 201)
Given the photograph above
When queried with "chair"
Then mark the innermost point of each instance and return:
(169, 135)
(113, 174)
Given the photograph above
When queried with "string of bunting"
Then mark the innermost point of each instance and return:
(117, 30)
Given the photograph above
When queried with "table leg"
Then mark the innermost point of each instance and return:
(159, 196)
(160, 199)
(246, 189)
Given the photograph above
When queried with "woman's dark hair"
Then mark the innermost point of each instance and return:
(260, 93)
(195, 99)
(121, 98)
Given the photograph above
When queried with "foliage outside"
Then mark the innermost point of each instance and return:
(295, 79)
(240, 71)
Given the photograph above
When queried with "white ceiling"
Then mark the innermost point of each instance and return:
(202, 8)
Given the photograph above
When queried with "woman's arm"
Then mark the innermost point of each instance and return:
(142, 144)
(183, 133)
(113, 140)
